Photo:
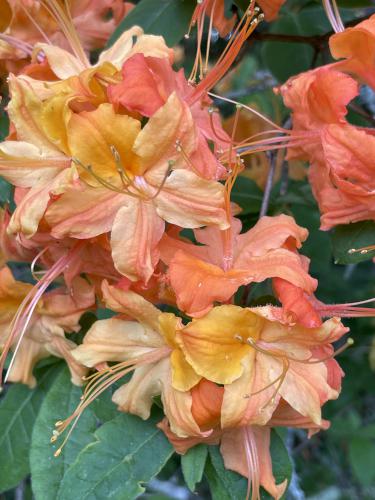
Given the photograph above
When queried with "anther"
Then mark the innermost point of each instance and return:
(238, 337)
(57, 452)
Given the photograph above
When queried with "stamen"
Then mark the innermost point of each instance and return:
(101, 381)
(64, 19)
(24, 314)
(363, 250)
(252, 460)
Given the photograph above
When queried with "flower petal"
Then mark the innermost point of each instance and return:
(131, 304)
(115, 340)
(136, 232)
(189, 201)
(212, 345)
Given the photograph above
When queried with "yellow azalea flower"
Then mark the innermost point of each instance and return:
(144, 345)
(259, 358)
(57, 313)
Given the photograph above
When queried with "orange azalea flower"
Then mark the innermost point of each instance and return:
(127, 184)
(259, 358)
(357, 47)
(201, 275)
(43, 333)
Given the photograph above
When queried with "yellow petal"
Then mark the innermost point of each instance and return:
(183, 375)
(215, 345)
(91, 134)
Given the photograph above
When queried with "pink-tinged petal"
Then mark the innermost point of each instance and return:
(296, 302)
(136, 396)
(132, 304)
(83, 212)
(269, 233)
(204, 161)
(140, 77)
(280, 263)
(63, 63)
(25, 165)
(136, 232)
(187, 200)
(305, 388)
(198, 284)
(66, 306)
(25, 113)
(156, 143)
(31, 208)
(116, 340)
(286, 416)
(247, 451)
(169, 245)
(251, 399)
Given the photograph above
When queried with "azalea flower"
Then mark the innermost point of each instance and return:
(201, 275)
(260, 358)
(144, 345)
(43, 333)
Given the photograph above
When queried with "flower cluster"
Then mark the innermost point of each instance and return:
(123, 175)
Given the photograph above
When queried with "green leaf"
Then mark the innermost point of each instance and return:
(353, 236)
(224, 484)
(128, 452)
(169, 18)
(248, 195)
(47, 471)
(193, 463)
(228, 485)
(362, 458)
(18, 411)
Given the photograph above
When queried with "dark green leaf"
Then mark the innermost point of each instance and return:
(128, 452)
(353, 236)
(362, 458)
(169, 18)
(248, 195)
(193, 463)
(18, 411)
(48, 471)
(224, 484)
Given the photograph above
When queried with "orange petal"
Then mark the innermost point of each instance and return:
(136, 232)
(198, 285)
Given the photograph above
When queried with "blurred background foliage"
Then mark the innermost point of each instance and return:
(333, 465)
